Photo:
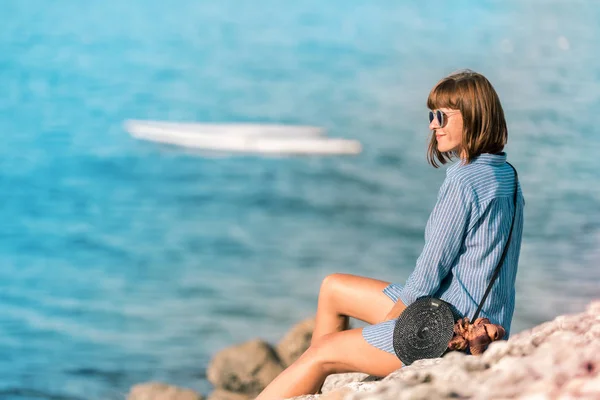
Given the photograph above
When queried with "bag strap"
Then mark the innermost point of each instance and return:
(497, 271)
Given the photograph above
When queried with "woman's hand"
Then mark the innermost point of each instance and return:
(395, 311)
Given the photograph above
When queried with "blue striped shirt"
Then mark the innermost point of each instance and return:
(464, 240)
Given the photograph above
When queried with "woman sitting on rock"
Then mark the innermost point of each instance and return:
(464, 239)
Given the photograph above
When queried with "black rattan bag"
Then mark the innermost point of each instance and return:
(425, 328)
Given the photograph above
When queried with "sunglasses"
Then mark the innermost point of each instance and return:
(440, 117)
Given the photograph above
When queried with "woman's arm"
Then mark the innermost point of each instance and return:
(444, 238)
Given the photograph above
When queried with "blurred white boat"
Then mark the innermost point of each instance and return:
(246, 138)
(161, 127)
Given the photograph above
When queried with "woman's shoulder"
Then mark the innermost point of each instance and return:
(478, 172)
(464, 175)
(484, 181)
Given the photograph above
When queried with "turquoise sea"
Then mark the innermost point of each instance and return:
(123, 261)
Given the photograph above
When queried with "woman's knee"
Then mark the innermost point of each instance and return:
(354, 296)
(331, 285)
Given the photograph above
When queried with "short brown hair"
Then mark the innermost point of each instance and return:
(484, 126)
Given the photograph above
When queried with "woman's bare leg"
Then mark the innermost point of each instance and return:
(337, 352)
(342, 296)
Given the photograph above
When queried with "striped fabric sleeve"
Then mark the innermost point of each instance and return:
(444, 237)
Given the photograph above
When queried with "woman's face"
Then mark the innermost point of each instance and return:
(449, 136)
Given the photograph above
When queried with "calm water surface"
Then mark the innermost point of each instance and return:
(123, 261)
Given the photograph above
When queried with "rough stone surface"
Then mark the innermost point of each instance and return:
(337, 381)
(559, 359)
(161, 391)
(295, 342)
(247, 368)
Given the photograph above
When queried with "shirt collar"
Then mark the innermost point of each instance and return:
(485, 158)
(491, 159)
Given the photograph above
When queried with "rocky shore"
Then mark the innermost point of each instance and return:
(559, 359)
